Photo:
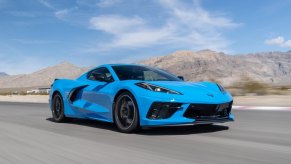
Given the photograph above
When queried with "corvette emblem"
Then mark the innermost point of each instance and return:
(211, 95)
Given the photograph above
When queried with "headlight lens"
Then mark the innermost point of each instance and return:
(221, 88)
(155, 88)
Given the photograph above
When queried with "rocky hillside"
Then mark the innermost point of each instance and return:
(273, 68)
(42, 78)
(3, 74)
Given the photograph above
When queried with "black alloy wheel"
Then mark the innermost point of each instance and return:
(126, 115)
(58, 108)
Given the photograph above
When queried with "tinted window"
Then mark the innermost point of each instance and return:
(101, 70)
(143, 73)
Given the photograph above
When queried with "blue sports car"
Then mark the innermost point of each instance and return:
(134, 96)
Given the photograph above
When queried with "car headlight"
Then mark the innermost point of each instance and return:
(221, 88)
(155, 88)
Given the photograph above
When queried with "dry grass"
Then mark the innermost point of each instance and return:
(248, 86)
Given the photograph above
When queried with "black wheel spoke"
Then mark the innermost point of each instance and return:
(128, 121)
(126, 111)
(123, 103)
(57, 108)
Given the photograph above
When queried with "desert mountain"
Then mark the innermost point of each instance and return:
(3, 74)
(273, 68)
(42, 78)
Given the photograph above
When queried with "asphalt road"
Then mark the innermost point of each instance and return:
(27, 135)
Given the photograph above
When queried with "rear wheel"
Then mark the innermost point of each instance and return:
(58, 108)
(126, 115)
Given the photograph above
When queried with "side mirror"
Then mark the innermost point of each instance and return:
(181, 77)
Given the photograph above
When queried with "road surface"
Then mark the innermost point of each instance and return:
(27, 135)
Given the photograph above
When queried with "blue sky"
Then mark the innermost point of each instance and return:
(38, 33)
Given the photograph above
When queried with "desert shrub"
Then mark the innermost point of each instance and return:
(249, 85)
(43, 93)
(22, 93)
(283, 88)
(214, 80)
(5, 93)
(255, 87)
(236, 91)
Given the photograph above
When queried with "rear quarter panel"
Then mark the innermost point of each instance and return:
(64, 87)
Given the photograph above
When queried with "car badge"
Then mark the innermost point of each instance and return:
(211, 95)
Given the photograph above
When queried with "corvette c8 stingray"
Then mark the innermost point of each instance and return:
(134, 96)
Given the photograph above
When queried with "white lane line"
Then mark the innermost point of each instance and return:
(261, 108)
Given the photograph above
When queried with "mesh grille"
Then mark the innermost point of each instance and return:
(207, 111)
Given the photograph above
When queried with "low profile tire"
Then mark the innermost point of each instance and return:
(58, 108)
(126, 115)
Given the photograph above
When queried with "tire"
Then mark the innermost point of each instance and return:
(57, 108)
(126, 116)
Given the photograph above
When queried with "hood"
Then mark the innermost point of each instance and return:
(203, 90)
(188, 87)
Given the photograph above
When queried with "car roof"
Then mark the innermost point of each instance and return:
(110, 65)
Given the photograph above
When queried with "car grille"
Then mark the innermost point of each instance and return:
(208, 111)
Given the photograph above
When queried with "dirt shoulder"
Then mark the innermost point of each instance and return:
(269, 100)
(26, 98)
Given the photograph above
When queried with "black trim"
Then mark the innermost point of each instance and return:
(205, 112)
(162, 110)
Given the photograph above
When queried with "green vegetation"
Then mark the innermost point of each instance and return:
(248, 86)
(251, 86)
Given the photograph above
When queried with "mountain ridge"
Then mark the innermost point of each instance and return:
(2, 74)
(43, 77)
(272, 68)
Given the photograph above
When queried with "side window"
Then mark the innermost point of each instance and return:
(100, 74)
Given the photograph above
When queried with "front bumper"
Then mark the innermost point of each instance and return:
(178, 117)
(182, 121)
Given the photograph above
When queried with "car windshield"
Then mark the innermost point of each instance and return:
(130, 72)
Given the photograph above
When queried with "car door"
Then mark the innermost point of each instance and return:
(97, 96)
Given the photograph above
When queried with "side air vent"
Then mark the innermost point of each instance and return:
(73, 96)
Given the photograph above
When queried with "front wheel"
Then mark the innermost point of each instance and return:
(58, 108)
(126, 115)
